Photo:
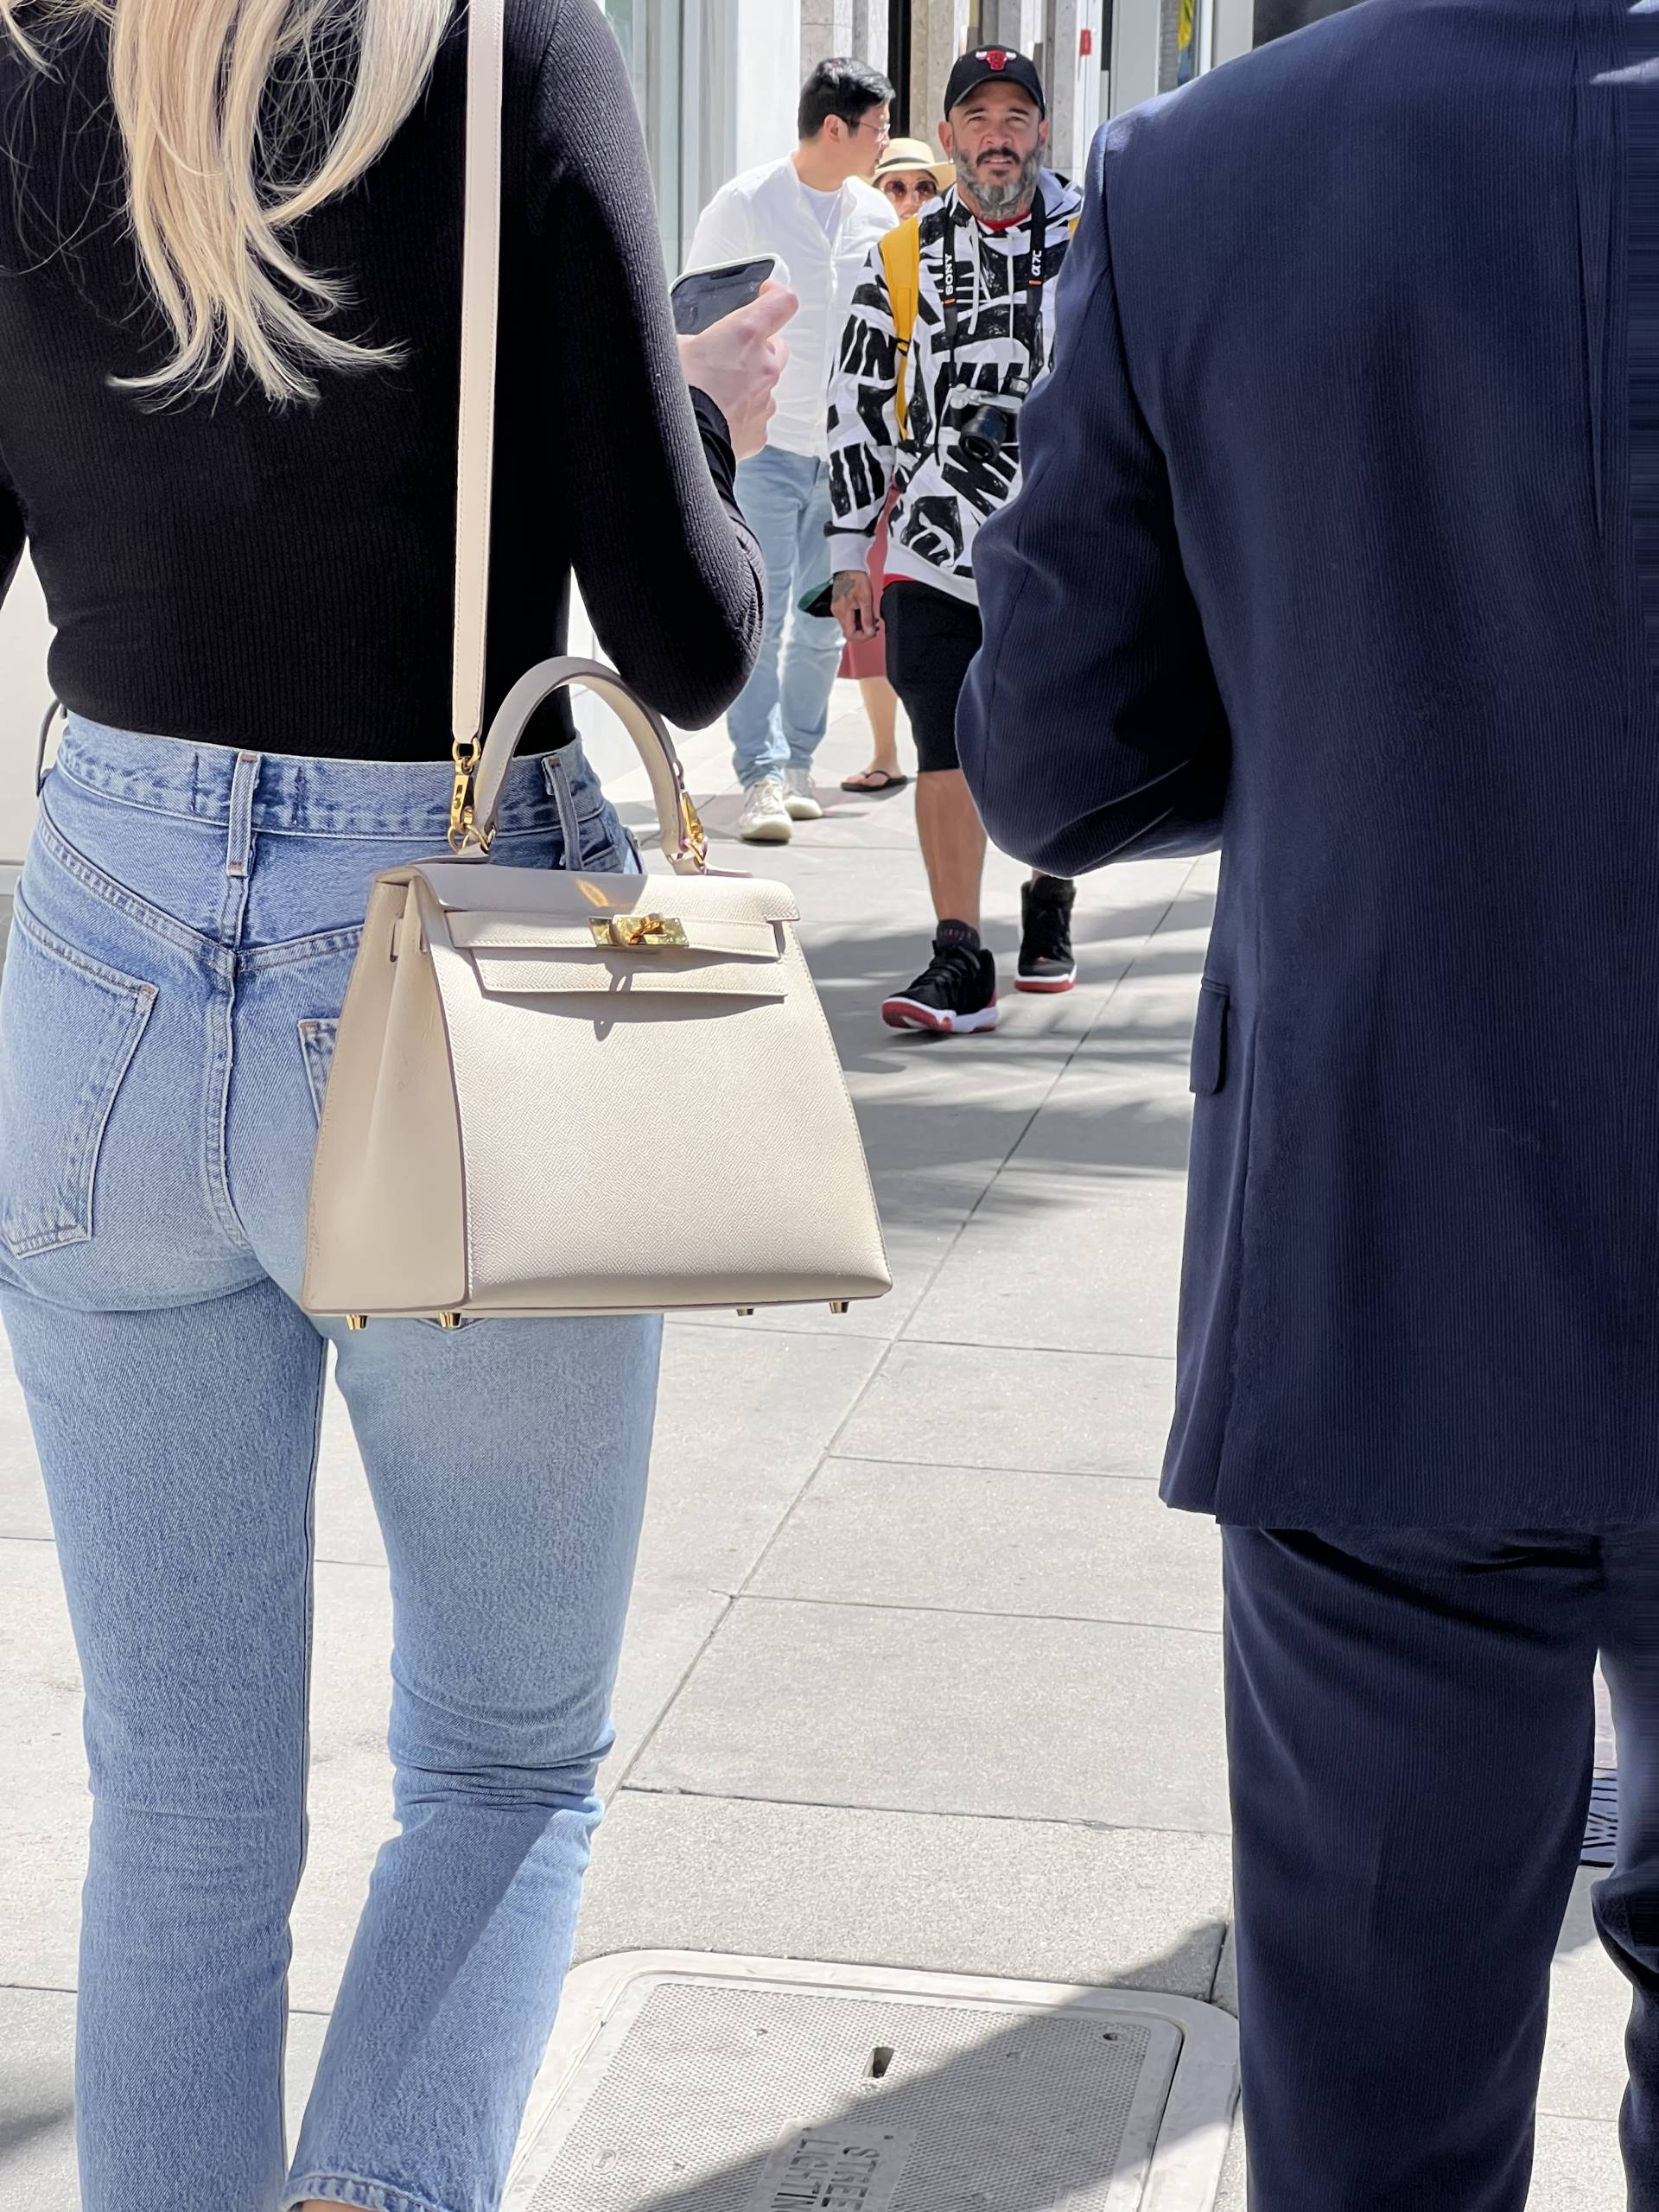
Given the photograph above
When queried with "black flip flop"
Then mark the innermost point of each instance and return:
(862, 783)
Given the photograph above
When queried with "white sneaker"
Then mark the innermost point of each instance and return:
(799, 797)
(765, 819)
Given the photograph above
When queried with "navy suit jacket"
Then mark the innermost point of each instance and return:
(1339, 548)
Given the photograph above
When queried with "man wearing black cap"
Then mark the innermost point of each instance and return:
(951, 328)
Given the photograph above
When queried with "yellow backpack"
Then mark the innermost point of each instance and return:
(901, 258)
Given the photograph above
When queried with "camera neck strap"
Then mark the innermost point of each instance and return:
(1035, 341)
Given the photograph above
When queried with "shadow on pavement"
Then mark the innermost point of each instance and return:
(21, 2129)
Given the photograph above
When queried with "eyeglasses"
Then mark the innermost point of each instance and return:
(883, 131)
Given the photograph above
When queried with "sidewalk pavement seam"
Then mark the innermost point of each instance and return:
(58, 1989)
(1060, 1352)
(967, 1612)
(996, 1467)
(977, 1467)
(614, 1789)
(1084, 1035)
(947, 1343)
(914, 1812)
(1083, 1038)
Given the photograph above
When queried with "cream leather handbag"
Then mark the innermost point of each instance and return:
(567, 1093)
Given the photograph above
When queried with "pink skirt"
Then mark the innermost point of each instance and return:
(867, 657)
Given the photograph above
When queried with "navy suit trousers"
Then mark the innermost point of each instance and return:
(1411, 1724)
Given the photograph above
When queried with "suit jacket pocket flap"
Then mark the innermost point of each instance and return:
(1209, 1040)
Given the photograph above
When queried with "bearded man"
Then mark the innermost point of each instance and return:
(950, 330)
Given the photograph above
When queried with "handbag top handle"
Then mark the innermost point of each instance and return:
(480, 771)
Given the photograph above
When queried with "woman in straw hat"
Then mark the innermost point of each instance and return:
(910, 174)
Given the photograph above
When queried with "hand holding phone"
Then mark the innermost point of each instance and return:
(703, 297)
(738, 361)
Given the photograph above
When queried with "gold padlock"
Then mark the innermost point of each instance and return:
(638, 933)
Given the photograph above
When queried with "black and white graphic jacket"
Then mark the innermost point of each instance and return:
(943, 496)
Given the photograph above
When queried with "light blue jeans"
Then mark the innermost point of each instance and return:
(780, 719)
(183, 932)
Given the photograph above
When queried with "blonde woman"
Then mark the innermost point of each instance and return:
(230, 238)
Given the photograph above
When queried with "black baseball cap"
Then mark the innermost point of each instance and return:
(994, 65)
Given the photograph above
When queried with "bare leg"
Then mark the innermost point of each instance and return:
(881, 705)
(953, 843)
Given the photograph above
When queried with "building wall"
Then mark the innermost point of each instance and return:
(765, 73)
(858, 28)
(939, 32)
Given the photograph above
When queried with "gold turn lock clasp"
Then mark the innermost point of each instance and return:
(638, 933)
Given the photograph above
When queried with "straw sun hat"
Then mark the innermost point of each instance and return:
(905, 154)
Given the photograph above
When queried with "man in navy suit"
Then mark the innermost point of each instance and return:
(1339, 550)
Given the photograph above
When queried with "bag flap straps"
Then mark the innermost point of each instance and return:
(534, 897)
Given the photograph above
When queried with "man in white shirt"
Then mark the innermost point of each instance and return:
(816, 210)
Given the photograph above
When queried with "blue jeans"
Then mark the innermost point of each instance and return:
(780, 719)
(183, 932)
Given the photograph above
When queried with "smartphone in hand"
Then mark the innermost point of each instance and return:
(705, 296)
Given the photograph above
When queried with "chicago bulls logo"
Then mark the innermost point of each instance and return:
(996, 57)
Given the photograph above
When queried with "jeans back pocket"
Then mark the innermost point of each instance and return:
(69, 1027)
(317, 1043)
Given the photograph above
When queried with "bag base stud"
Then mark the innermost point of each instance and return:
(356, 1321)
(841, 1305)
(744, 1310)
(448, 1321)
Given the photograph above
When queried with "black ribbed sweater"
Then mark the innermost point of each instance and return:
(235, 573)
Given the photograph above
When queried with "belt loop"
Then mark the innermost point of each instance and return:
(556, 771)
(239, 841)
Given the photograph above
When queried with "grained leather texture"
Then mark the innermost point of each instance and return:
(522, 1127)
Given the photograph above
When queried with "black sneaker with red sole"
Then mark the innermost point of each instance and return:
(953, 995)
(1046, 960)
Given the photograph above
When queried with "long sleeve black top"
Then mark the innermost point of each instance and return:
(232, 572)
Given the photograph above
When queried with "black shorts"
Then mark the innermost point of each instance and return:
(931, 639)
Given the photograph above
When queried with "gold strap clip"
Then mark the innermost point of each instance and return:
(463, 827)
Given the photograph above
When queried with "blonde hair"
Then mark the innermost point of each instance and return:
(212, 203)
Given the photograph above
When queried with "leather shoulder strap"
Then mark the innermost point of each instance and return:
(480, 278)
(901, 260)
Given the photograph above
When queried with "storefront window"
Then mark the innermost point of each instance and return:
(651, 34)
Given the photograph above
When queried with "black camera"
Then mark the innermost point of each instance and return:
(983, 427)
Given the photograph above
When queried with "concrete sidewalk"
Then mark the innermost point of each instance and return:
(919, 1673)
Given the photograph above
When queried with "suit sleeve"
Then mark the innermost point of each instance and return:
(1092, 728)
(864, 420)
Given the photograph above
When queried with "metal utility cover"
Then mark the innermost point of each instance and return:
(683, 2083)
